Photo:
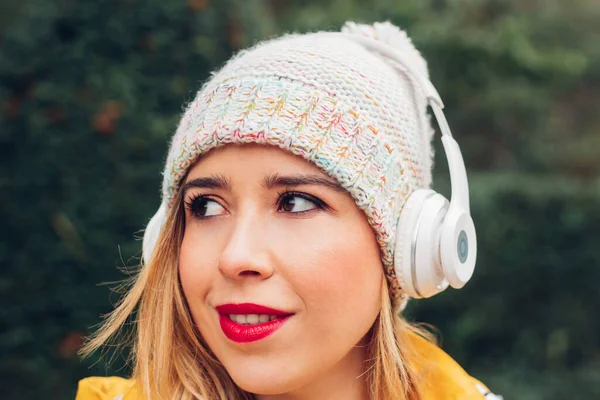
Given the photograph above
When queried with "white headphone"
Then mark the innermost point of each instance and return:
(436, 243)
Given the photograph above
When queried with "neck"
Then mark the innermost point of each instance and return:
(345, 380)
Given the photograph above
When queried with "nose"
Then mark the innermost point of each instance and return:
(246, 254)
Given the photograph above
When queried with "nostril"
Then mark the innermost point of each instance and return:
(247, 272)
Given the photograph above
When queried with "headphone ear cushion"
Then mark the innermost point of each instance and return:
(406, 235)
(430, 276)
(152, 232)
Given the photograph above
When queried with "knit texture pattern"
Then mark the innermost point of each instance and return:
(329, 100)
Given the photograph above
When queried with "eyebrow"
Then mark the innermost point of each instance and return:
(301, 179)
(209, 182)
(274, 180)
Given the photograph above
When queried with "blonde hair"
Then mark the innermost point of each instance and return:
(171, 360)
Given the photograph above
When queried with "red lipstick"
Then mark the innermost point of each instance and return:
(238, 332)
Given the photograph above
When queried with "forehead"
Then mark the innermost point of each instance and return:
(251, 160)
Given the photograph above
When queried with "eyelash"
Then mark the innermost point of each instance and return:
(191, 200)
(319, 204)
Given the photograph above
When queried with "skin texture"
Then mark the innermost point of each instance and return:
(248, 243)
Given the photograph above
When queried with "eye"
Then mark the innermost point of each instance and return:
(204, 207)
(298, 203)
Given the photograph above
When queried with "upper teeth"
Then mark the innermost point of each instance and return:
(251, 319)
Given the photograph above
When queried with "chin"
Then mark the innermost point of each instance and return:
(264, 380)
(264, 386)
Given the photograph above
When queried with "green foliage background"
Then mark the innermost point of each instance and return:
(90, 92)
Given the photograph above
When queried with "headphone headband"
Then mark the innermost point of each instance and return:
(443, 251)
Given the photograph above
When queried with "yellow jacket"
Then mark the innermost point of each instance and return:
(443, 379)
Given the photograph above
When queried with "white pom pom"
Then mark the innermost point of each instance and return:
(152, 232)
(393, 36)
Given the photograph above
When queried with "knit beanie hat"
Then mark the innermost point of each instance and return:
(329, 100)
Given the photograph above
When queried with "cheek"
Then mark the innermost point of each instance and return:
(337, 271)
(194, 274)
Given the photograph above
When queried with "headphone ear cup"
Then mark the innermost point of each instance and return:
(152, 232)
(416, 256)
(458, 247)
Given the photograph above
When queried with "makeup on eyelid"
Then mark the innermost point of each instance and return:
(195, 202)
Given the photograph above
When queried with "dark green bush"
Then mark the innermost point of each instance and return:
(91, 91)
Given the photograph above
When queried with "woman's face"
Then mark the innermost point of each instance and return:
(267, 228)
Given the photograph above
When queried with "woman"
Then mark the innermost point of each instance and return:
(283, 250)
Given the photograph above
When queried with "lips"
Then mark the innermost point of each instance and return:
(241, 322)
